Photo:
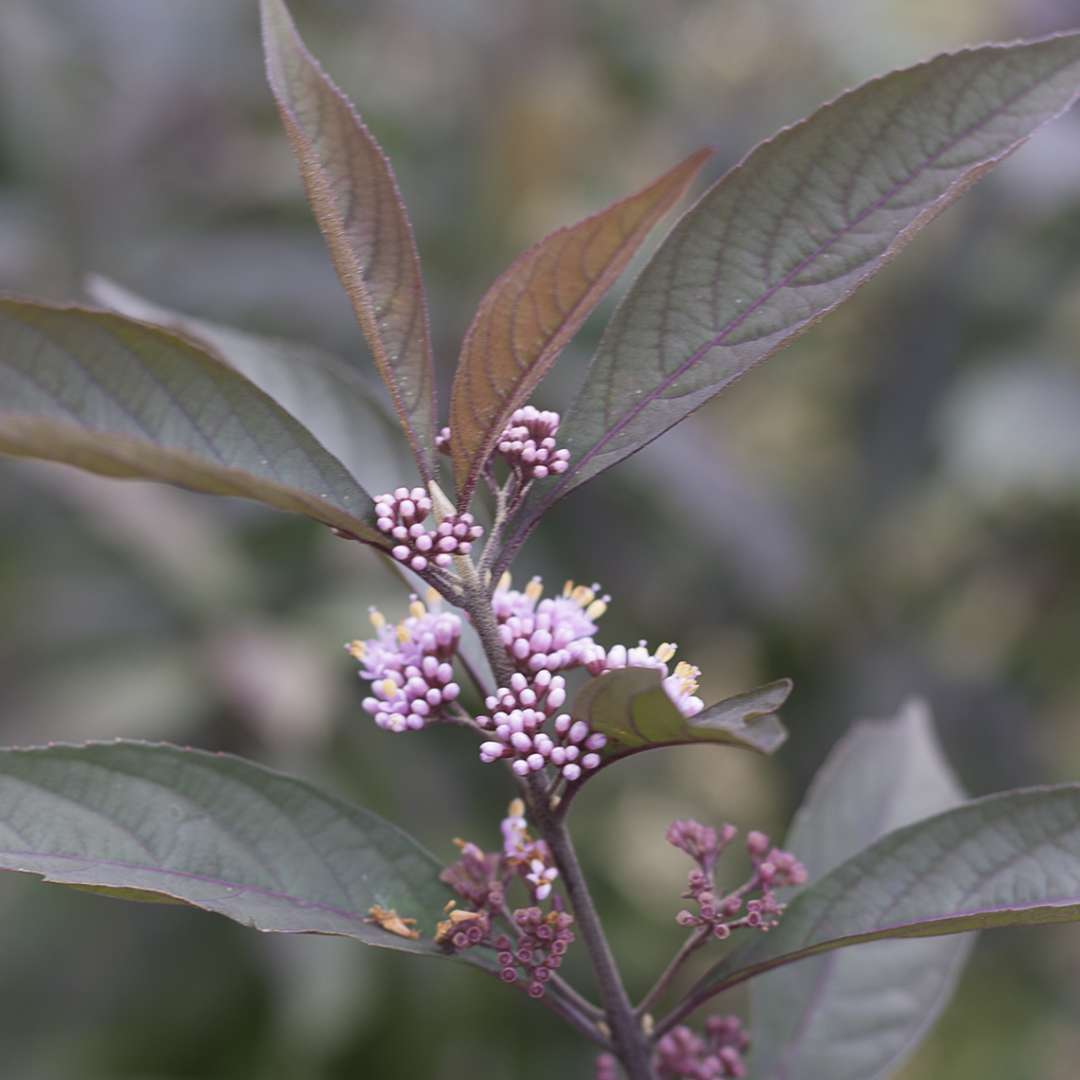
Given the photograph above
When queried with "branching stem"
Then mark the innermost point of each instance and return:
(690, 946)
(628, 1040)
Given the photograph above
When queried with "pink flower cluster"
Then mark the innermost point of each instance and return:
(682, 1054)
(542, 943)
(753, 904)
(539, 939)
(681, 684)
(401, 515)
(528, 444)
(546, 633)
(409, 666)
(517, 718)
(543, 636)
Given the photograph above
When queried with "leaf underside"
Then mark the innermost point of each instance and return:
(794, 230)
(216, 832)
(855, 1014)
(122, 398)
(632, 709)
(354, 195)
(536, 306)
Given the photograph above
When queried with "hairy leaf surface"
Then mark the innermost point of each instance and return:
(794, 230)
(122, 398)
(352, 189)
(532, 311)
(216, 832)
(340, 407)
(631, 707)
(855, 1014)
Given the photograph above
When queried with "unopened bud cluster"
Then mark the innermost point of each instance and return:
(409, 666)
(682, 1054)
(532, 946)
(754, 904)
(528, 444)
(401, 515)
(517, 717)
(541, 945)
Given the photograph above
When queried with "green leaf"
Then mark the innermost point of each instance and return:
(536, 306)
(632, 709)
(856, 1014)
(1005, 860)
(122, 398)
(352, 189)
(794, 230)
(340, 407)
(216, 832)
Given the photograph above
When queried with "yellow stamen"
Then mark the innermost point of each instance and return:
(433, 597)
(534, 590)
(356, 649)
(388, 686)
(403, 634)
(516, 809)
(582, 595)
(417, 609)
(505, 581)
(378, 619)
(687, 675)
(666, 651)
(568, 588)
(596, 609)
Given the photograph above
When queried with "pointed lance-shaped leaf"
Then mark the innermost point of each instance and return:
(355, 197)
(858, 1013)
(342, 408)
(793, 231)
(123, 398)
(1005, 860)
(536, 306)
(631, 707)
(144, 821)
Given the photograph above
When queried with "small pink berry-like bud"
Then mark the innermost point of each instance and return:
(757, 843)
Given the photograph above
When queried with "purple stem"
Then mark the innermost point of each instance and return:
(628, 1040)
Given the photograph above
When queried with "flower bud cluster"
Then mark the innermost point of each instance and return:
(409, 666)
(682, 1054)
(540, 939)
(546, 633)
(517, 717)
(528, 444)
(754, 904)
(476, 877)
(401, 515)
(543, 940)
(528, 857)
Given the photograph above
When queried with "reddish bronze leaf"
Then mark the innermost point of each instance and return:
(530, 313)
(351, 188)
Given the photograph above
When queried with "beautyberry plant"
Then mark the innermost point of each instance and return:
(128, 389)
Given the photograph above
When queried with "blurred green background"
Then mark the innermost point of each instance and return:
(890, 507)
